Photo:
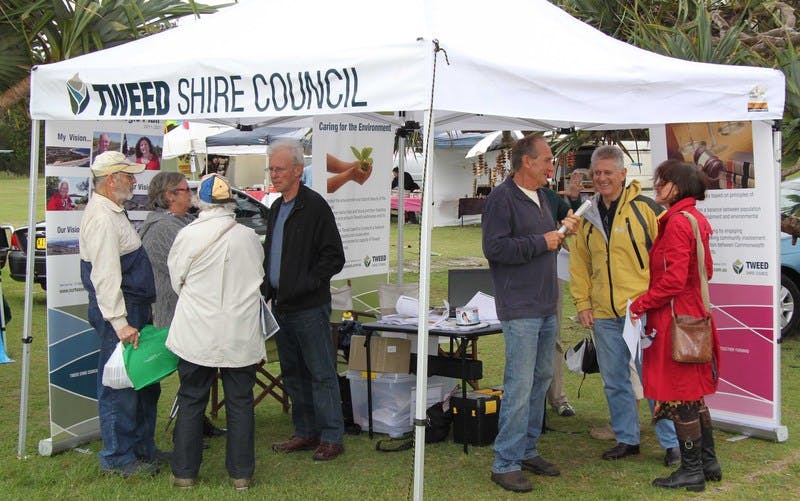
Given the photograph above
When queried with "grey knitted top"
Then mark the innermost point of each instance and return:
(158, 232)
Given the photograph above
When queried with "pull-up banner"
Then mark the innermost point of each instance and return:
(73, 345)
(741, 205)
(352, 166)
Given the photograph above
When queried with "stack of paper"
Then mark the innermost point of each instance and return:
(486, 309)
(407, 308)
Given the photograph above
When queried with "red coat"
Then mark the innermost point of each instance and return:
(673, 275)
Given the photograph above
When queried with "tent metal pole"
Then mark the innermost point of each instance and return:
(28, 314)
(422, 312)
(401, 219)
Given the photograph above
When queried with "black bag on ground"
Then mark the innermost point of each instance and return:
(438, 423)
(437, 428)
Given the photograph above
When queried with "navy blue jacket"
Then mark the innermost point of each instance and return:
(523, 270)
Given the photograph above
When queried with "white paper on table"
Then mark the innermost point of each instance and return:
(632, 333)
(407, 306)
(407, 309)
(562, 264)
(487, 312)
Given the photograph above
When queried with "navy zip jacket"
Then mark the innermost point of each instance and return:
(523, 270)
(312, 253)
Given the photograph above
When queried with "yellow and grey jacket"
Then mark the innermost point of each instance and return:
(607, 271)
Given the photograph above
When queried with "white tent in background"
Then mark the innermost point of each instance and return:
(190, 138)
(425, 59)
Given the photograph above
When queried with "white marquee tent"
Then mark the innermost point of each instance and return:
(522, 65)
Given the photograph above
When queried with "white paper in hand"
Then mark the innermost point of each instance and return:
(269, 326)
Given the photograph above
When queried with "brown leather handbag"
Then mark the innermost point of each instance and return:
(691, 336)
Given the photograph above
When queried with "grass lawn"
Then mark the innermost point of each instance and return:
(753, 469)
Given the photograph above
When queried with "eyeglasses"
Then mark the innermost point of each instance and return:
(279, 170)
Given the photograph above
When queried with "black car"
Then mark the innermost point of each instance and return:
(17, 255)
(249, 212)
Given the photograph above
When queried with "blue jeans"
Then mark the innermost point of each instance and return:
(614, 358)
(127, 417)
(529, 368)
(308, 369)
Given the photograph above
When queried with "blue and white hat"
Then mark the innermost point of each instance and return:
(215, 189)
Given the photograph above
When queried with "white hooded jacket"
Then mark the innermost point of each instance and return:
(215, 267)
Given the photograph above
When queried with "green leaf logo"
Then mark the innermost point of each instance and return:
(78, 95)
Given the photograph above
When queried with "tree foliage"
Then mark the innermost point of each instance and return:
(739, 32)
(46, 31)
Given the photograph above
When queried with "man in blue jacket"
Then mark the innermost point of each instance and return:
(302, 251)
(520, 241)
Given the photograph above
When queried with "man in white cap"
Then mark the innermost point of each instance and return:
(118, 277)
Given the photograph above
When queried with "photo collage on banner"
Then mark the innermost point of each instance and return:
(352, 169)
(736, 158)
(70, 148)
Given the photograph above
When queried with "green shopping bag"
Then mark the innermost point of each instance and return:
(151, 361)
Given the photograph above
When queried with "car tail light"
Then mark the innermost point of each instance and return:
(15, 242)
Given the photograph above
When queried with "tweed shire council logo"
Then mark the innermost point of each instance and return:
(367, 261)
(78, 95)
(738, 266)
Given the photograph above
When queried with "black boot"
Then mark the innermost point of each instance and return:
(690, 474)
(711, 468)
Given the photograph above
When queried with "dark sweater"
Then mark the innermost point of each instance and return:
(523, 270)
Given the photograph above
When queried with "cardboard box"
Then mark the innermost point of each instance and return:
(386, 354)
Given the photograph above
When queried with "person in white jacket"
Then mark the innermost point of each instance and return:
(215, 267)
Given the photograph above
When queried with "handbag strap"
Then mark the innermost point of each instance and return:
(701, 264)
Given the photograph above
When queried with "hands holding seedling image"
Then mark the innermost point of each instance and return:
(358, 171)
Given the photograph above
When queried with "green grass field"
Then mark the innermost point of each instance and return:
(753, 468)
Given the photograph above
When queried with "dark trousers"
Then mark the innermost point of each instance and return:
(308, 369)
(196, 381)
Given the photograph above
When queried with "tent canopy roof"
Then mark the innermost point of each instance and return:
(526, 66)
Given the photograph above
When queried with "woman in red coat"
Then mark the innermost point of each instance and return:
(679, 388)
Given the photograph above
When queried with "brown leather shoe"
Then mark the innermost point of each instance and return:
(514, 481)
(327, 451)
(295, 444)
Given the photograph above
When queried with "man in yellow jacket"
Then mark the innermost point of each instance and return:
(609, 264)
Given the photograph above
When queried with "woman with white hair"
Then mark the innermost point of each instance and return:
(215, 267)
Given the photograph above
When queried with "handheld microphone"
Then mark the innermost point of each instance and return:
(583, 208)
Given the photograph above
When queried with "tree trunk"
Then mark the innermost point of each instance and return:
(15, 94)
(791, 225)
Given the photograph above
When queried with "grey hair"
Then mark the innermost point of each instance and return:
(525, 146)
(609, 152)
(204, 206)
(160, 185)
(99, 182)
(295, 149)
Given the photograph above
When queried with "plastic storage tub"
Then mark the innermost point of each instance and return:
(391, 402)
